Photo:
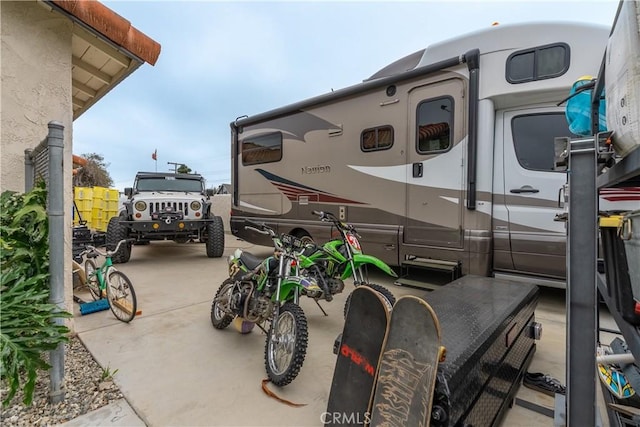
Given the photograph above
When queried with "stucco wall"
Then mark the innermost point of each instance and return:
(36, 89)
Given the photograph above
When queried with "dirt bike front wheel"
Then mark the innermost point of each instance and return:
(386, 293)
(219, 318)
(286, 345)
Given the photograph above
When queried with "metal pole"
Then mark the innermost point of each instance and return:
(55, 142)
(581, 283)
(29, 170)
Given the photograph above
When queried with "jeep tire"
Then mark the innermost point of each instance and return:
(215, 238)
(115, 233)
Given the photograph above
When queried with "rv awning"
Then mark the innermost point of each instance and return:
(106, 48)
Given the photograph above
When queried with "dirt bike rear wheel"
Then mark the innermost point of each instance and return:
(286, 345)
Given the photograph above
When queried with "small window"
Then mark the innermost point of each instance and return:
(262, 149)
(375, 139)
(435, 121)
(539, 63)
(533, 139)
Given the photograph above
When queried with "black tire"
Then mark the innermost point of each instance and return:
(305, 237)
(219, 319)
(283, 358)
(215, 238)
(386, 294)
(93, 285)
(121, 296)
(115, 233)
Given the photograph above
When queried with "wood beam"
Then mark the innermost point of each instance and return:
(102, 46)
(100, 75)
(84, 88)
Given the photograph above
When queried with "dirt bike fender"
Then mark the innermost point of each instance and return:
(362, 259)
(291, 283)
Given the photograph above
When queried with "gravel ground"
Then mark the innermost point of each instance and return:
(86, 390)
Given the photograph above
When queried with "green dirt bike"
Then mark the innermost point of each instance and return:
(340, 259)
(267, 291)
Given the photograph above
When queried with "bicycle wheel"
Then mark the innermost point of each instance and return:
(92, 279)
(121, 296)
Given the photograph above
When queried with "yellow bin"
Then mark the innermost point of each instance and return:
(83, 193)
(99, 192)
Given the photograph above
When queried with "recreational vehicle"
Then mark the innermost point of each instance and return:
(445, 156)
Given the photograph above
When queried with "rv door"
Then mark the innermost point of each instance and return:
(435, 148)
(531, 190)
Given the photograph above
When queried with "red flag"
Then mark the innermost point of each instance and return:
(154, 155)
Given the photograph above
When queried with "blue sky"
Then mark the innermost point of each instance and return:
(222, 60)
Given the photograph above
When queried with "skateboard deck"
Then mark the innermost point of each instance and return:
(406, 379)
(357, 360)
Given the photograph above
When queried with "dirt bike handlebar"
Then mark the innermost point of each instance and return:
(328, 216)
(258, 227)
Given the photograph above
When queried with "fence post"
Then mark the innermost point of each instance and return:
(55, 143)
(29, 170)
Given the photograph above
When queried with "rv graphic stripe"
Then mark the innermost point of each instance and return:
(293, 190)
(617, 194)
(298, 125)
(279, 180)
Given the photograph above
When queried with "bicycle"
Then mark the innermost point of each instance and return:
(110, 282)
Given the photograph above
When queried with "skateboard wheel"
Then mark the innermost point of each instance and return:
(443, 354)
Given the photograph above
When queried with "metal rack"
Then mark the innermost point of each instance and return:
(585, 157)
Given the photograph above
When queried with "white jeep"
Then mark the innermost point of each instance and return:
(166, 206)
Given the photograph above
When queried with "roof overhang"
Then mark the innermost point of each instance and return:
(106, 49)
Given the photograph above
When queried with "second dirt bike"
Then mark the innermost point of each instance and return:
(340, 259)
(267, 291)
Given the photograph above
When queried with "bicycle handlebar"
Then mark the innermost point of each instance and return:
(106, 253)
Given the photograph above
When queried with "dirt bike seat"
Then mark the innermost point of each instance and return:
(250, 260)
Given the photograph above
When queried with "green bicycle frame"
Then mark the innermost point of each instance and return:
(101, 273)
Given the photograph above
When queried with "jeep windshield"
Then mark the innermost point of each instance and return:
(169, 184)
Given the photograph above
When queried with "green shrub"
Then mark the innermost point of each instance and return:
(27, 328)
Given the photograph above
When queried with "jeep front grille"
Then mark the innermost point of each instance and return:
(161, 206)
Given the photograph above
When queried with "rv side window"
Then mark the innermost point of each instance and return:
(543, 62)
(262, 149)
(533, 137)
(375, 139)
(435, 121)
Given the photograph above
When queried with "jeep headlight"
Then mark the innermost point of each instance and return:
(141, 206)
(195, 205)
